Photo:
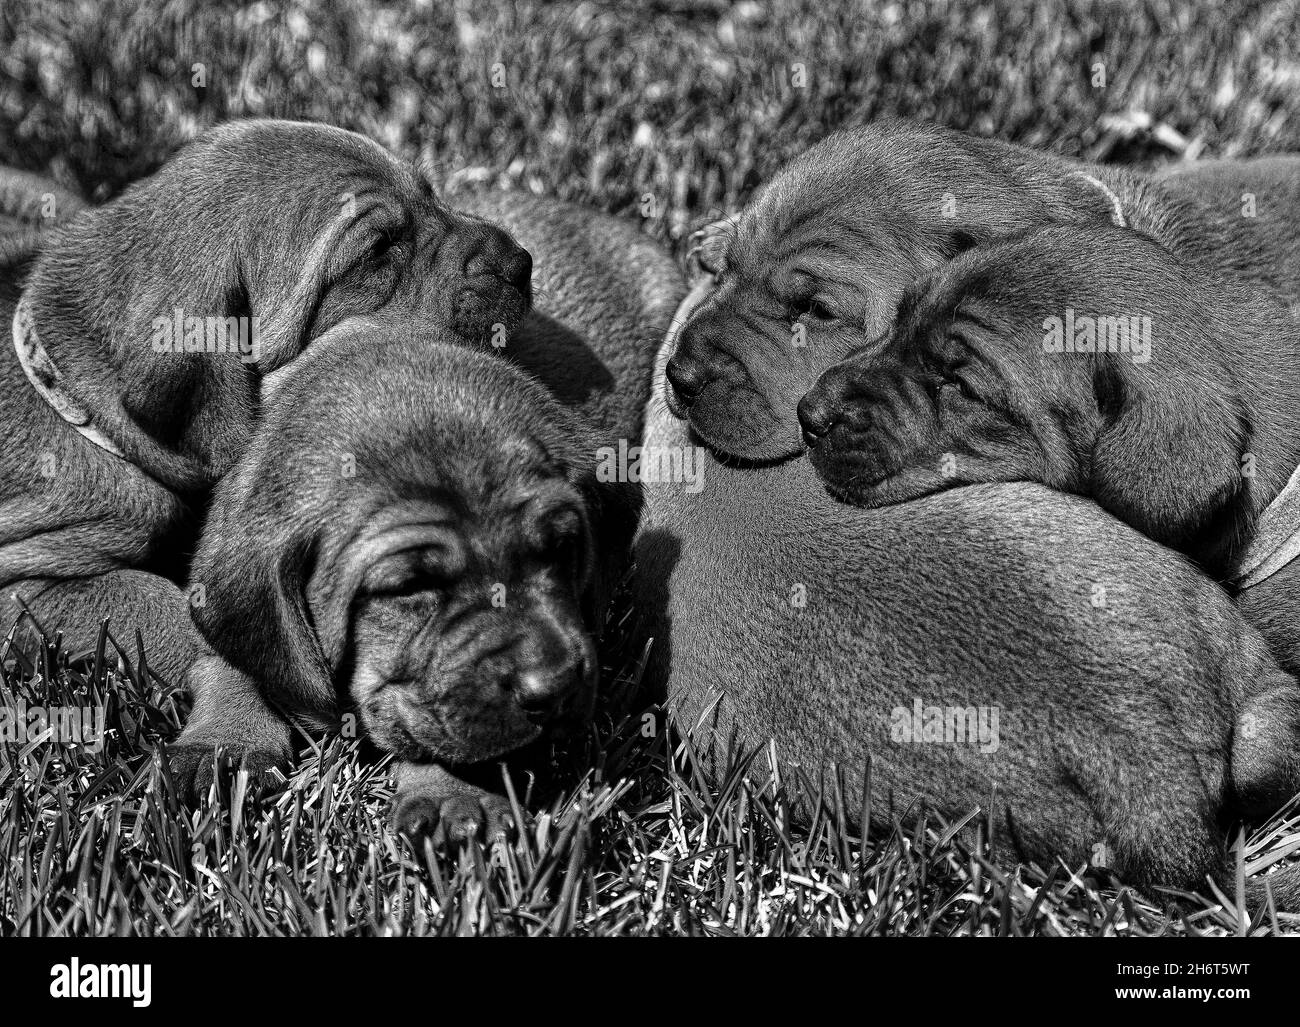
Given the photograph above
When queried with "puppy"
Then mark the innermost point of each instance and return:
(1178, 416)
(1137, 712)
(826, 249)
(145, 328)
(415, 534)
(484, 653)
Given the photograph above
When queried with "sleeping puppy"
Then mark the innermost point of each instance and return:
(1001, 647)
(483, 653)
(415, 533)
(143, 329)
(1096, 362)
(825, 250)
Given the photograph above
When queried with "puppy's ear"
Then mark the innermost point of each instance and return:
(1167, 461)
(103, 311)
(613, 510)
(708, 247)
(1093, 199)
(253, 612)
(153, 317)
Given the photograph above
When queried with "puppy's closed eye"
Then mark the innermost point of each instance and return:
(558, 535)
(410, 572)
(812, 308)
(389, 247)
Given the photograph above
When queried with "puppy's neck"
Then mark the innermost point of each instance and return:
(1178, 222)
(1261, 345)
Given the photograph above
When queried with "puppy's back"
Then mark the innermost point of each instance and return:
(1116, 670)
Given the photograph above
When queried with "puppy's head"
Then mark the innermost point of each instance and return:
(420, 544)
(958, 392)
(162, 310)
(822, 256)
(1082, 358)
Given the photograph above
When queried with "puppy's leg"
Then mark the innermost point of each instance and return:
(1159, 826)
(132, 600)
(229, 715)
(1266, 743)
(433, 802)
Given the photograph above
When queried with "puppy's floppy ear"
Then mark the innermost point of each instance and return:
(1167, 460)
(100, 317)
(254, 612)
(708, 246)
(130, 300)
(613, 509)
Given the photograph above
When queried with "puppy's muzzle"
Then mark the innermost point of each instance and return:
(549, 694)
(816, 417)
(553, 681)
(497, 283)
(504, 260)
(687, 372)
(687, 380)
(822, 406)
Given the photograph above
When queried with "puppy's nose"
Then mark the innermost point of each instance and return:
(541, 691)
(686, 377)
(816, 418)
(517, 269)
(503, 258)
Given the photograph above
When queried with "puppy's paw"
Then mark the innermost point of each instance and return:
(194, 767)
(432, 803)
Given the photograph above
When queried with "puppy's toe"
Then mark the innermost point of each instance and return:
(189, 766)
(194, 767)
(443, 820)
(499, 819)
(462, 817)
(433, 804)
(416, 816)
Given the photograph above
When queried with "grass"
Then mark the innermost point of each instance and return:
(98, 843)
(670, 108)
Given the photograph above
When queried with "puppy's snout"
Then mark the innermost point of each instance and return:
(552, 670)
(816, 417)
(502, 258)
(517, 269)
(541, 691)
(686, 377)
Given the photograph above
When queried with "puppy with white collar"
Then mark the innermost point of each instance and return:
(142, 330)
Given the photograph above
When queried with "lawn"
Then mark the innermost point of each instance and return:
(663, 111)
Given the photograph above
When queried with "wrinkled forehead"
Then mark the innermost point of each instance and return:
(833, 220)
(489, 470)
(311, 160)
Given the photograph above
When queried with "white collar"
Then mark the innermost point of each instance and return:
(44, 375)
(1276, 540)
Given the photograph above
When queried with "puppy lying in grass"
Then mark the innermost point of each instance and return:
(424, 543)
(142, 329)
(423, 533)
(1134, 714)
(1096, 362)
